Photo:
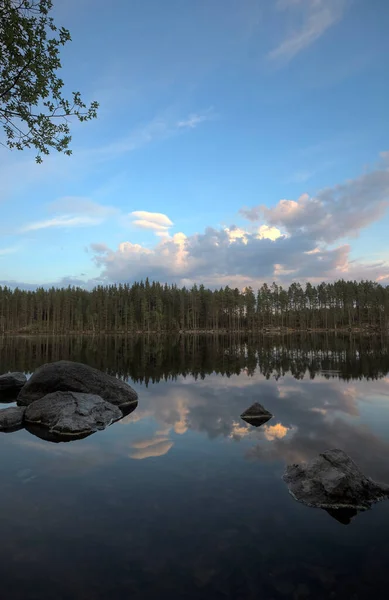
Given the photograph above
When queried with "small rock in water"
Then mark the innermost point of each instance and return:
(11, 418)
(70, 415)
(334, 482)
(256, 415)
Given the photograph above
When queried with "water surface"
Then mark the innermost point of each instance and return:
(182, 498)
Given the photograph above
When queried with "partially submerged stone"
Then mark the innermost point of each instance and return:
(11, 418)
(71, 415)
(64, 375)
(11, 383)
(334, 482)
(256, 415)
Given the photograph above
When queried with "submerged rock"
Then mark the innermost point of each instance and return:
(334, 482)
(71, 415)
(64, 375)
(11, 418)
(12, 382)
(256, 415)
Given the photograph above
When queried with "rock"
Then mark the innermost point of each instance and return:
(71, 415)
(64, 376)
(10, 382)
(256, 415)
(333, 481)
(11, 419)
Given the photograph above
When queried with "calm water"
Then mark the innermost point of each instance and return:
(182, 499)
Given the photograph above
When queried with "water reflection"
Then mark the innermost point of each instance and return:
(182, 498)
(153, 359)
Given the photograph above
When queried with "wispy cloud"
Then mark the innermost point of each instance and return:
(192, 121)
(62, 221)
(317, 17)
(76, 212)
(5, 251)
(159, 128)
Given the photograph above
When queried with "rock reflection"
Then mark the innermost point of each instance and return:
(342, 515)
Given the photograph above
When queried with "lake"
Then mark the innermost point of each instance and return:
(182, 498)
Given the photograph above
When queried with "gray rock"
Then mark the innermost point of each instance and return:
(11, 418)
(12, 381)
(333, 481)
(64, 376)
(71, 414)
(256, 415)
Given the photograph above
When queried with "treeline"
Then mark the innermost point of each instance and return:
(153, 307)
(144, 359)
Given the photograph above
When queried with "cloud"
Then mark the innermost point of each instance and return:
(268, 233)
(81, 205)
(275, 432)
(158, 218)
(148, 220)
(316, 16)
(192, 121)
(76, 212)
(304, 239)
(62, 221)
(150, 448)
(159, 128)
(229, 256)
(10, 250)
(62, 282)
(335, 212)
(99, 248)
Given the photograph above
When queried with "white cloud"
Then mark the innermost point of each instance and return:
(158, 222)
(296, 241)
(317, 16)
(143, 224)
(158, 218)
(268, 233)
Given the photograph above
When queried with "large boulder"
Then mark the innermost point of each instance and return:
(11, 418)
(64, 376)
(12, 382)
(334, 482)
(71, 415)
(256, 415)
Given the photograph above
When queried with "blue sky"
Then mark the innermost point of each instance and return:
(236, 142)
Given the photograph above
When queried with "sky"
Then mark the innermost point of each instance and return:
(237, 142)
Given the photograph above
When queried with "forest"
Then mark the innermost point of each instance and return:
(151, 307)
